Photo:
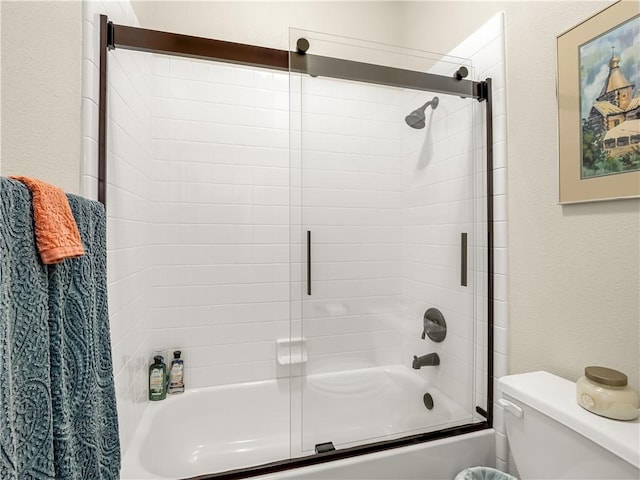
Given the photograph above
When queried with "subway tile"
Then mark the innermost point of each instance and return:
(501, 341)
(500, 208)
(89, 187)
(201, 71)
(204, 255)
(244, 76)
(280, 82)
(263, 78)
(501, 287)
(500, 181)
(220, 234)
(500, 155)
(499, 128)
(90, 119)
(498, 419)
(501, 314)
(500, 234)
(336, 344)
(90, 80)
(91, 11)
(500, 365)
(162, 339)
(490, 53)
(161, 65)
(180, 68)
(500, 261)
(89, 157)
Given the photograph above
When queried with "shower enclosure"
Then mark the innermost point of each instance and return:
(319, 228)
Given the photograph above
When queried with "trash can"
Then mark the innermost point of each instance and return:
(483, 473)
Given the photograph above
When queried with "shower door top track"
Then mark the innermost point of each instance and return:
(113, 36)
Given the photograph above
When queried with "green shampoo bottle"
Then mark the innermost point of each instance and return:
(157, 379)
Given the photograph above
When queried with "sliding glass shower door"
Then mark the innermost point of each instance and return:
(314, 242)
(383, 202)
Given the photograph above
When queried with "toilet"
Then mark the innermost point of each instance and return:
(552, 437)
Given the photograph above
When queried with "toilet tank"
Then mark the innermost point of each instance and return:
(552, 437)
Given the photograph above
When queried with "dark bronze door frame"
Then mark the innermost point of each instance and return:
(114, 36)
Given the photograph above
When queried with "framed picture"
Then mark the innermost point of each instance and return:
(598, 75)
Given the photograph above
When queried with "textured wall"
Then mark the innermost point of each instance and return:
(575, 269)
(267, 23)
(41, 91)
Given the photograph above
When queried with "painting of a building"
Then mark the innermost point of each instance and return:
(610, 99)
(615, 105)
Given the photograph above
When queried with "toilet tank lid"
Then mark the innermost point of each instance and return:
(556, 397)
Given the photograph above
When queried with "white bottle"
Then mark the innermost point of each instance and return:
(176, 374)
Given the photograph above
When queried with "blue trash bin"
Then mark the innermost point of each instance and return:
(483, 473)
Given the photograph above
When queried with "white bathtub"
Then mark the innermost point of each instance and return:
(215, 429)
(435, 460)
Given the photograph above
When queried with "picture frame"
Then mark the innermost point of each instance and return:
(598, 89)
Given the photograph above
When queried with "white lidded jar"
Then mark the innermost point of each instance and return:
(605, 392)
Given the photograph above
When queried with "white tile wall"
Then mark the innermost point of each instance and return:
(129, 195)
(485, 48)
(220, 217)
(129, 203)
(438, 206)
(442, 200)
(348, 178)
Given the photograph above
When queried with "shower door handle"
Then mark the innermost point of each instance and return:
(308, 262)
(463, 259)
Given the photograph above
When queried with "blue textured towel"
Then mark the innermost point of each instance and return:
(58, 415)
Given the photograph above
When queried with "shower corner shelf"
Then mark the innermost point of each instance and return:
(291, 351)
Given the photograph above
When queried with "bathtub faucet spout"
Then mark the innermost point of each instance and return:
(428, 360)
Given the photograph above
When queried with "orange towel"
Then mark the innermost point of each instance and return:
(57, 233)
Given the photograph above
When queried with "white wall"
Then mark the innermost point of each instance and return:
(575, 269)
(41, 53)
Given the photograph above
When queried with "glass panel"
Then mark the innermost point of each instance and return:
(380, 207)
(198, 206)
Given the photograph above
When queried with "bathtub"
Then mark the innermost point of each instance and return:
(222, 428)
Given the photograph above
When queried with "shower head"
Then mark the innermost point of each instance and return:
(416, 119)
